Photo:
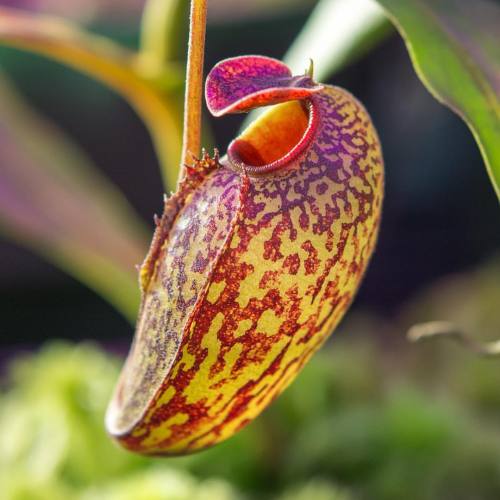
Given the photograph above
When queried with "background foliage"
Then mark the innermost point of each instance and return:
(367, 419)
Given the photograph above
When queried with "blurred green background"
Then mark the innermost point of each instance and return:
(371, 417)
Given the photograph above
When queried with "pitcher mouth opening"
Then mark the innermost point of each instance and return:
(275, 139)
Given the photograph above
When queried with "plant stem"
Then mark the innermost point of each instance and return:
(191, 142)
(446, 330)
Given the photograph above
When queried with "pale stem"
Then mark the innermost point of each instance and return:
(191, 142)
(446, 330)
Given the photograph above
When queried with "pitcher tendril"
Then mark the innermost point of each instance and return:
(191, 141)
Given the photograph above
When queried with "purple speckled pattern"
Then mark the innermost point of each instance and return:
(194, 242)
(268, 265)
(242, 83)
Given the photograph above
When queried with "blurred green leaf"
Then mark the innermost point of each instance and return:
(316, 490)
(53, 417)
(66, 42)
(53, 443)
(164, 33)
(160, 483)
(455, 49)
(154, 92)
(335, 34)
(54, 201)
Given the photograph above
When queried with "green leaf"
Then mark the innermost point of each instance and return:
(153, 91)
(335, 34)
(55, 202)
(164, 33)
(455, 48)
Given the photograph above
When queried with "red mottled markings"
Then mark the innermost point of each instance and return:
(272, 249)
(322, 224)
(180, 276)
(268, 278)
(254, 347)
(316, 223)
(292, 263)
(304, 221)
(312, 262)
(322, 188)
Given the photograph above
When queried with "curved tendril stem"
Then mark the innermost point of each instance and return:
(191, 141)
(446, 330)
